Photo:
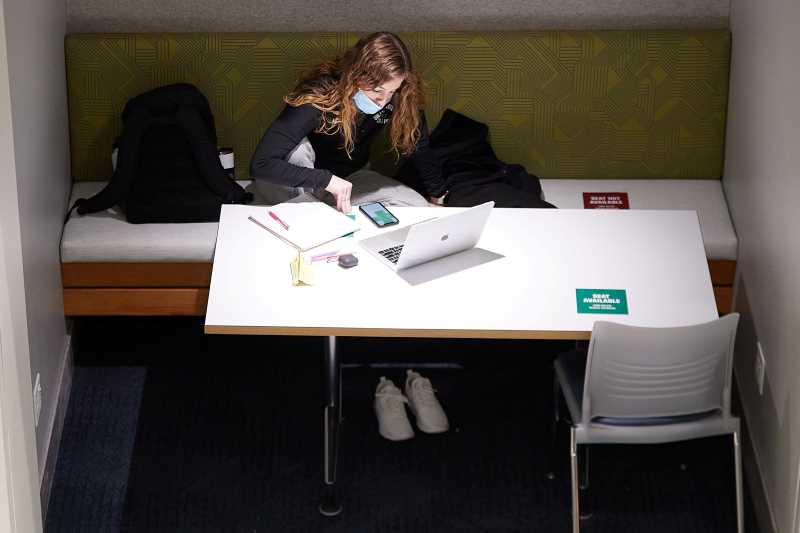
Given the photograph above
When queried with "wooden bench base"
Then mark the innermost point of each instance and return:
(138, 289)
(722, 275)
(135, 289)
(130, 301)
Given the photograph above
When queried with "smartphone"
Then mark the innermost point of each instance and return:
(378, 214)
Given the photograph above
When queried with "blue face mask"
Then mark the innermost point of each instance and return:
(364, 104)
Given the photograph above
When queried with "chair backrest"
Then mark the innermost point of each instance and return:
(642, 372)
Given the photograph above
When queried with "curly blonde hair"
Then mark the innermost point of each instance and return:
(375, 59)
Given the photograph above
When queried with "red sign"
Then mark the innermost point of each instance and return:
(605, 200)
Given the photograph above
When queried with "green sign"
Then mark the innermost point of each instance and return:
(604, 301)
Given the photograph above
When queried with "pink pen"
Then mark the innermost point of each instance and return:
(279, 221)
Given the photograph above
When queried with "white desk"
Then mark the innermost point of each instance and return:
(541, 256)
(657, 256)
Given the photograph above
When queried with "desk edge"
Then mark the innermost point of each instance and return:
(377, 332)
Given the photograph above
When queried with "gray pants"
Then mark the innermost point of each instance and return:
(368, 186)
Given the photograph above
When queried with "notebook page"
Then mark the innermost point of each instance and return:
(310, 223)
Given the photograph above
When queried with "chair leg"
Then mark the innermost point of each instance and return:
(737, 450)
(556, 399)
(586, 507)
(585, 470)
(573, 456)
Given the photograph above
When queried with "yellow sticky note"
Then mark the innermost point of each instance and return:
(302, 272)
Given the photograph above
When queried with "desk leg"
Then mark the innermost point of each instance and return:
(331, 504)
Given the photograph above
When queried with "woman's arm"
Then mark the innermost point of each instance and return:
(428, 166)
(284, 134)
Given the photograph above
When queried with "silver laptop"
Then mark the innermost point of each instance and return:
(431, 239)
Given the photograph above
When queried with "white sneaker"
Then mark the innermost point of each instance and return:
(423, 403)
(393, 421)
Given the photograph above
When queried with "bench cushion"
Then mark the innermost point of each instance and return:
(108, 237)
(704, 196)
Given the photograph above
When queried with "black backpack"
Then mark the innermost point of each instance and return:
(168, 167)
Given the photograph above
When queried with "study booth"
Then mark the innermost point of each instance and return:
(640, 114)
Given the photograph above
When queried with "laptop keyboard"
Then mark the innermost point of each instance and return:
(393, 253)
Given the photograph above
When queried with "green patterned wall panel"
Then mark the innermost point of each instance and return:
(569, 104)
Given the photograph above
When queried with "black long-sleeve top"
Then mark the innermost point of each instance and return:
(294, 123)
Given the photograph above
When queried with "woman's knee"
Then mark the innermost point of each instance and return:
(406, 196)
(303, 154)
(370, 186)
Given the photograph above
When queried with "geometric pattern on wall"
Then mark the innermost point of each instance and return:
(566, 104)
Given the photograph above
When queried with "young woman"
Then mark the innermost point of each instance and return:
(321, 140)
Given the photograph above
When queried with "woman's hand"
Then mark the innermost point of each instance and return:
(340, 189)
(437, 201)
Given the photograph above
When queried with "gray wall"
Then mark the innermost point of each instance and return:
(370, 15)
(762, 184)
(35, 46)
(16, 405)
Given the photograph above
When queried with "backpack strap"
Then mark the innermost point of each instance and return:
(117, 189)
(77, 203)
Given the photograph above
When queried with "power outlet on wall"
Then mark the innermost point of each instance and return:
(761, 368)
(37, 400)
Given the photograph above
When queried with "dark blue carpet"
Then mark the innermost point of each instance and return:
(91, 476)
(224, 433)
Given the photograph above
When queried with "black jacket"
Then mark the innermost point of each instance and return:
(471, 171)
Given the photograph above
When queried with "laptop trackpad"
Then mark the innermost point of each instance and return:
(444, 266)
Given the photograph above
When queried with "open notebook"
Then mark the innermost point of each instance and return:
(310, 223)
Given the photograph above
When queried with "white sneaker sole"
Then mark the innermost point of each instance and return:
(427, 429)
(395, 438)
(432, 430)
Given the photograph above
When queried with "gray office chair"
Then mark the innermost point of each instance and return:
(650, 385)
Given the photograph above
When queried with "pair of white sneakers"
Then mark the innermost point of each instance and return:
(393, 423)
